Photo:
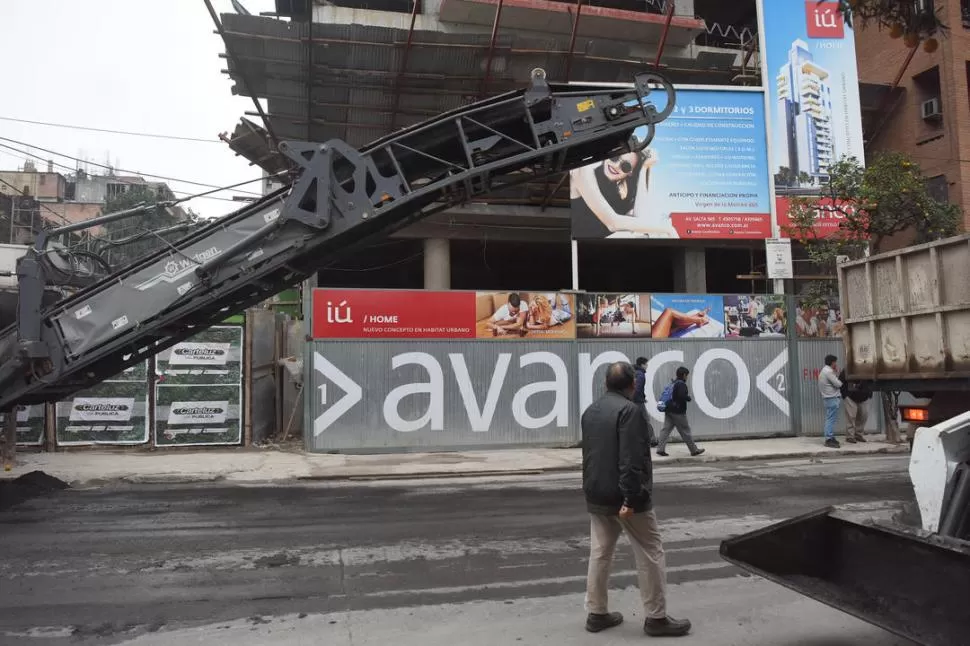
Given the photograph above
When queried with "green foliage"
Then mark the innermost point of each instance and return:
(124, 241)
(899, 16)
(873, 204)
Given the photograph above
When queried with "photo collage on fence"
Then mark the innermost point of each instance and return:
(676, 316)
(525, 315)
(819, 321)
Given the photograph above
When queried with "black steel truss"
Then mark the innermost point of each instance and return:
(340, 198)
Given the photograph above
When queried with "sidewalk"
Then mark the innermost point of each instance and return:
(89, 468)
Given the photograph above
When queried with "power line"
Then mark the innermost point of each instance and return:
(108, 130)
(120, 170)
(122, 180)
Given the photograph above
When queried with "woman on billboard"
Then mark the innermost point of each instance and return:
(612, 199)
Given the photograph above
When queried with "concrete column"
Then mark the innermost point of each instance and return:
(437, 264)
(690, 271)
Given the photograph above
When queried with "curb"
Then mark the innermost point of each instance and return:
(377, 476)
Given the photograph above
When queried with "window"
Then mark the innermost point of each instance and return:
(965, 13)
(938, 188)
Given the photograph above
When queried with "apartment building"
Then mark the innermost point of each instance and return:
(922, 100)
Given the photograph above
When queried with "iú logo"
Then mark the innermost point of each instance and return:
(338, 313)
(824, 19)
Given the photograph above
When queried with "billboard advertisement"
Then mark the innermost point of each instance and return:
(613, 316)
(420, 314)
(818, 321)
(704, 175)
(687, 316)
(114, 411)
(383, 395)
(198, 396)
(30, 424)
(747, 316)
(813, 90)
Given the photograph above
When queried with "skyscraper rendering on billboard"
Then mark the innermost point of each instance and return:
(803, 136)
(813, 90)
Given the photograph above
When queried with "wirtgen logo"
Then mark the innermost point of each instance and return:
(824, 19)
(195, 354)
(178, 268)
(198, 412)
(102, 409)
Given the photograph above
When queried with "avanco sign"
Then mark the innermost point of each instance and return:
(520, 395)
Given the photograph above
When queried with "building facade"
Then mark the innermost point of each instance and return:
(920, 100)
(675, 272)
(75, 197)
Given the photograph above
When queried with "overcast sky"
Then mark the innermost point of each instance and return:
(136, 65)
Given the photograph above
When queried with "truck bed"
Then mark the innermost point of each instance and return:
(907, 316)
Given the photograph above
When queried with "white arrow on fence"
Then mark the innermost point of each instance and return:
(354, 393)
(763, 382)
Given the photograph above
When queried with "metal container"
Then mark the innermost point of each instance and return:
(907, 314)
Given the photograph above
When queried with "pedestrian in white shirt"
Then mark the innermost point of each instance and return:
(830, 387)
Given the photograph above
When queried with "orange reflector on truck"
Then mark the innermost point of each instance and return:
(914, 414)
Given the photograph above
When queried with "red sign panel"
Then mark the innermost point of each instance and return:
(743, 226)
(824, 19)
(372, 314)
(827, 220)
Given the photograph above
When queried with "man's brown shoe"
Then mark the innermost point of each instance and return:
(666, 627)
(596, 623)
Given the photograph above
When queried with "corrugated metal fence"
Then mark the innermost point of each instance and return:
(419, 395)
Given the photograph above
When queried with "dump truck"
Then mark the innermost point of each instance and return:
(906, 317)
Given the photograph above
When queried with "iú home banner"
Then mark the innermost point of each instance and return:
(198, 396)
(114, 411)
(812, 80)
(704, 175)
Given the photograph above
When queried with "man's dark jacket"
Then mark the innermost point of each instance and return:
(617, 467)
(639, 386)
(678, 399)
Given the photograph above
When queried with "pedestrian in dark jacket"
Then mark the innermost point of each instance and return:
(618, 483)
(675, 415)
(640, 394)
(856, 396)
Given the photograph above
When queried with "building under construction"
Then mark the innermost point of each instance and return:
(356, 70)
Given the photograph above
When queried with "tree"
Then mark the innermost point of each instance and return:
(914, 21)
(124, 241)
(787, 178)
(873, 204)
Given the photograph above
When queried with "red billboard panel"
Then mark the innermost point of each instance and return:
(405, 314)
(827, 219)
(419, 314)
(742, 226)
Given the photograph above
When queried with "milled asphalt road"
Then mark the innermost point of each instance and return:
(458, 562)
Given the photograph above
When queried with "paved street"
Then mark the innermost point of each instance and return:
(462, 562)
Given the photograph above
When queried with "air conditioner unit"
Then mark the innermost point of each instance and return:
(931, 109)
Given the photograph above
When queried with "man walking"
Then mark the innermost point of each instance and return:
(830, 387)
(618, 483)
(856, 395)
(675, 415)
(640, 394)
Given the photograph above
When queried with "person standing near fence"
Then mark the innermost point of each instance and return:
(830, 388)
(640, 395)
(673, 403)
(856, 396)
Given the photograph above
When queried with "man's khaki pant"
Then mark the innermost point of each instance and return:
(648, 551)
(857, 415)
